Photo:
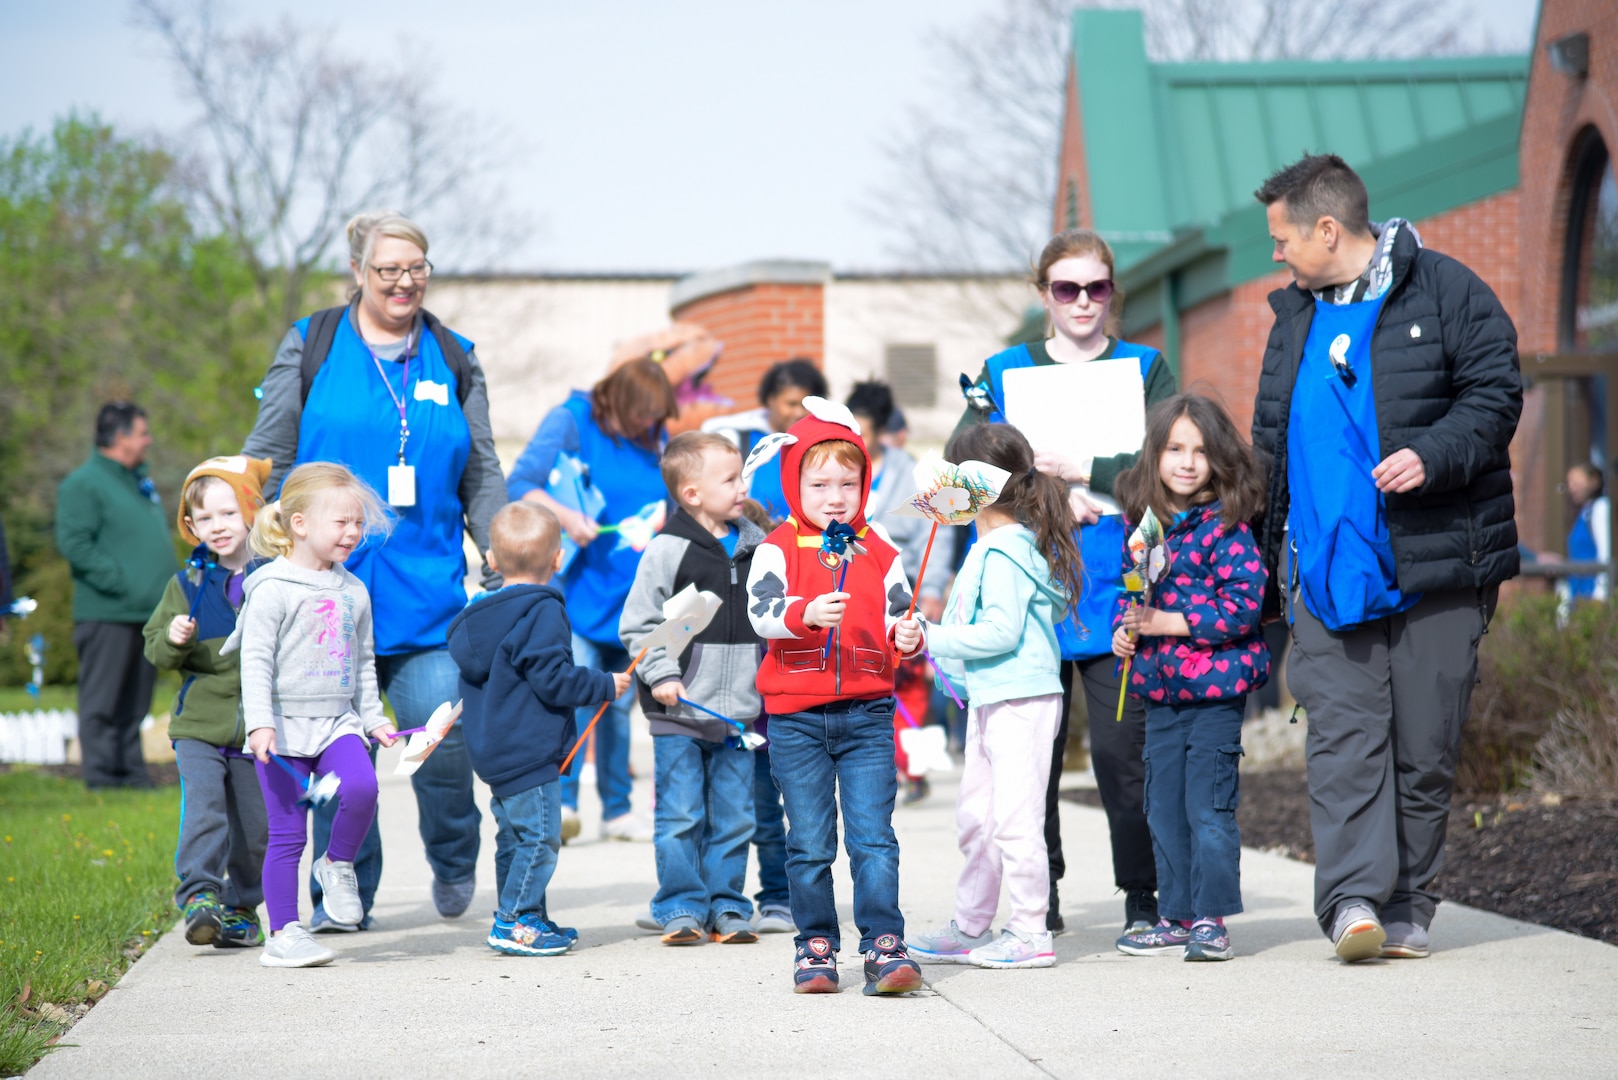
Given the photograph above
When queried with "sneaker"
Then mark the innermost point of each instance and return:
(1405, 941)
(732, 928)
(683, 930)
(1165, 937)
(322, 923)
(815, 970)
(647, 921)
(916, 790)
(1357, 932)
(626, 827)
(1209, 941)
(775, 919)
(529, 935)
(202, 917)
(453, 898)
(1140, 910)
(570, 823)
(947, 946)
(239, 929)
(339, 890)
(293, 947)
(1054, 923)
(1014, 950)
(889, 969)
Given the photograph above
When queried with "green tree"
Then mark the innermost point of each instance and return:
(108, 291)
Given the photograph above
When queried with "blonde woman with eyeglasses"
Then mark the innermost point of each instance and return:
(384, 388)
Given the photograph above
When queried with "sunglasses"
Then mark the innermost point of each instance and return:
(1065, 292)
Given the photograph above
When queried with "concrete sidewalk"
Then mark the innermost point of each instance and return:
(421, 996)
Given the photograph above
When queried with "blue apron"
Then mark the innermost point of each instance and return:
(1339, 520)
(598, 580)
(1086, 632)
(765, 487)
(1581, 547)
(416, 576)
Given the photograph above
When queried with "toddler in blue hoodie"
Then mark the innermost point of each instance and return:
(519, 687)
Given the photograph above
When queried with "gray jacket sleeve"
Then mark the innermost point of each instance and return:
(280, 410)
(643, 608)
(483, 486)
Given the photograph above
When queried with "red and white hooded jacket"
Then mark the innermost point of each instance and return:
(799, 671)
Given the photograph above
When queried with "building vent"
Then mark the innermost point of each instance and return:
(913, 374)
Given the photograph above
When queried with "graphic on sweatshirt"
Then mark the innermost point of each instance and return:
(334, 631)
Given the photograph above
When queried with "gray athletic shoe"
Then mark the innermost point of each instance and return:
(453, 898)
(775, 919)
(1405, 941)
(948, 945)
(647, 921)
(731, 928)
(1357, 932)
(293, 947)
(339, 890)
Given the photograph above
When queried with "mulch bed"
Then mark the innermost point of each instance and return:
(1543, 860)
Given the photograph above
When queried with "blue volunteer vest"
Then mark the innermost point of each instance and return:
(1581, 547)
(1086, 632)
(415, 577)
(765, 487)
(598, 580)
(1339, 520)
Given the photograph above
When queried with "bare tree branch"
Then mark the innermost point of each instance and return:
(292, 138)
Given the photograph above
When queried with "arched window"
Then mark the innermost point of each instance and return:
(1589, 308)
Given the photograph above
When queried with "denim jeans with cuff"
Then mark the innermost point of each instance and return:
(702, 826)
(526, 849)
(1192, 756)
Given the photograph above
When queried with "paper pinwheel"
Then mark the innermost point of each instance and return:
(317, 790)
(926, 748)
(950, 495)
(818, 407)
(636, 531)
(685, 615)
(1146, 552)
(422, 743)
(742, 740)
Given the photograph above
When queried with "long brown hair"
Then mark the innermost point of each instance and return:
(1236, 476)
(1036, 500)
(1072, 244)
(635, 395)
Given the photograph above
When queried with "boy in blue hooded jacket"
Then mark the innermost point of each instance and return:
(519, 687)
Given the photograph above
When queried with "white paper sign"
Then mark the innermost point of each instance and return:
(1080, 411)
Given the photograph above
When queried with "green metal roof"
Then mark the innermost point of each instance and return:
(1174, 151)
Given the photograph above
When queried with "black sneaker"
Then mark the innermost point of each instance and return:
(1054, 923)
(815, 971)
(202, 918)
(889, 969)
(1140, 910)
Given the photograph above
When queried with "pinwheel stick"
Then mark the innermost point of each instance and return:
(1123, 681)
(591, 726)
(922, 571)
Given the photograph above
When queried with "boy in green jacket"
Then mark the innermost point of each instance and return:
(223, 832)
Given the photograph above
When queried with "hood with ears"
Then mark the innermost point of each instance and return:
(826, 422)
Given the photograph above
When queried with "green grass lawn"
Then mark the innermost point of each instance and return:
(16, 699)
(85, 884)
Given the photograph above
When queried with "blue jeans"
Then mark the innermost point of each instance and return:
(526, 849)
(611, 735)
(769, 835)
(702, 824)
(416, 684)
(1192, 787)
(844, 748)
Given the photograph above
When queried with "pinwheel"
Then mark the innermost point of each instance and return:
(202, 564)
(316, 792)
(425, 739)
(636, 531)
(950, 495)
(685, 615)
(839, 543)
(742, 740)
(1146, 552)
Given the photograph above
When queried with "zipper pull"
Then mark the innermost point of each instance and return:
(1296, 709)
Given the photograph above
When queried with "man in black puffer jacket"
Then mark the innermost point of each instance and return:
(1389, 395)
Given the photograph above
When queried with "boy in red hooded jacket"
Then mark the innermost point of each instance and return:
(829, 596)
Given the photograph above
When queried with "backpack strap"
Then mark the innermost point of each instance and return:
(323, 326)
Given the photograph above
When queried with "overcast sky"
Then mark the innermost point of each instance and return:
(662, 135)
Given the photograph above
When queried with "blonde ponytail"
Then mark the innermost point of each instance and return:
(300, 491)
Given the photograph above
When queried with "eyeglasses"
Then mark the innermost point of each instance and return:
(391, 274)
(1065, 292)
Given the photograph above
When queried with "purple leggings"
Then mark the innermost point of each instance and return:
(289, 819)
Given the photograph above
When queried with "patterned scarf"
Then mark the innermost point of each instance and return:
(1378, 275)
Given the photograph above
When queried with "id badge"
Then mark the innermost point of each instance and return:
(401, 485)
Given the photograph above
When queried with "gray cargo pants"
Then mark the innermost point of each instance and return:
(223, 826)
(1386, 701)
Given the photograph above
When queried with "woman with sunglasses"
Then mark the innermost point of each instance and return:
(1074, 276)
(381, 386)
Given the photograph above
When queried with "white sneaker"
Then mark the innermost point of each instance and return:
(340, 890)
(570, 823)
(293, 947)
(949, 945)
(775, 920)
(1014, 950)
(626, 827)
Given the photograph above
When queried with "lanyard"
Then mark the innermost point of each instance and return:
(400, 398)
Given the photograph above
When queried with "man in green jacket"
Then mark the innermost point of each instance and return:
(110, 528)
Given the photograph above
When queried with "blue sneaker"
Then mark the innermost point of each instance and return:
(530, 935)
(240, 930)
(203, 918)
(889, 969)
(815, 970)
(1209, 941)
(1165, 937)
